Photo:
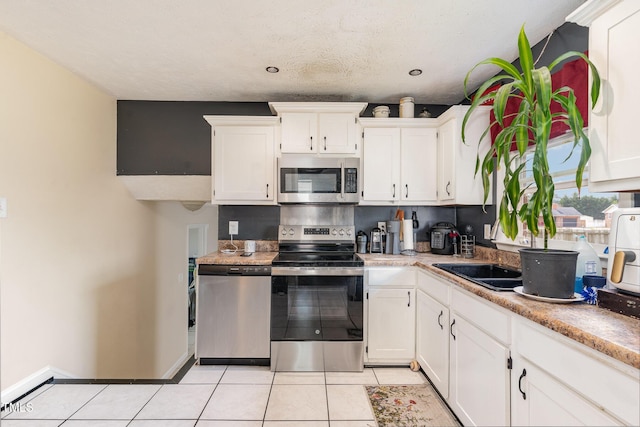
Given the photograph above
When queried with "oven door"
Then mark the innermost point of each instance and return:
(321, 304)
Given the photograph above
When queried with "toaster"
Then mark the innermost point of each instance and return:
(623, 266)
(444, 238)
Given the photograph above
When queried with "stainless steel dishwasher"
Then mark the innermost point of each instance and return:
(233, 311)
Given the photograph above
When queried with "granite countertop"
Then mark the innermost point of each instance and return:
(610, 333)
(257, 258)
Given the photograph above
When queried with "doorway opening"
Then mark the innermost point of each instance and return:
(197, 247)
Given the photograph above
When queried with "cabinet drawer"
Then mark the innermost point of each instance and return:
(390, 276)
(434, 287)
(616, 391)
(485, 316)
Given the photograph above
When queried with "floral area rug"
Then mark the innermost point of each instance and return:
(409, 406)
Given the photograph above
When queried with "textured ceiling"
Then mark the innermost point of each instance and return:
(326, 50)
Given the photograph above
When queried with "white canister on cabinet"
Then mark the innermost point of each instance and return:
(406, 107)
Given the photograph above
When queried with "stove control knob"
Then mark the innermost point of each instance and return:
(284, 232)
(334, 232)
(291, 232)
(341, 232)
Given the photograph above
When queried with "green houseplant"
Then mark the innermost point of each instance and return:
(530, 126)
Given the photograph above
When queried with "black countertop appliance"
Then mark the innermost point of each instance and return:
(445, 239)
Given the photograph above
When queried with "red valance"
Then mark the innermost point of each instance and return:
(574, 74)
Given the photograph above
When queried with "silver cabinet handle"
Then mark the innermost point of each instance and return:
(394, 191)
(409, 295)
(440, 317)
(311, 145)
(451, 329)
(406, 191)
(325, 143)
(447, 188)
(267, 191)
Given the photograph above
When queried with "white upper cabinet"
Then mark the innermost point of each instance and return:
(457, 183)
(318, 128)
(418, 164)
(614, 35)
(243, 160)
(399, 161)
(381, 165)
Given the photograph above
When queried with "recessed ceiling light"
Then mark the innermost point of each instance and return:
(415, 72)
(272, 69)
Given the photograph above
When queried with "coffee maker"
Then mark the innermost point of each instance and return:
(375, 242)
(393, 238)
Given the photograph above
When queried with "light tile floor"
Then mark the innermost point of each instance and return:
(214, 396)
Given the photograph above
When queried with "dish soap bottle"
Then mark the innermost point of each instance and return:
(588, 262)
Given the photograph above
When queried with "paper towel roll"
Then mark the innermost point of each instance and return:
(407, 231)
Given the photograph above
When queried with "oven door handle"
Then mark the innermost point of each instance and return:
(317, 271)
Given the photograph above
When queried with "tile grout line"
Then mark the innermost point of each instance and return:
(146, 403)
(273, 380)
(214, 390)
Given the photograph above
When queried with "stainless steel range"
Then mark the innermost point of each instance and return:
(317, 299)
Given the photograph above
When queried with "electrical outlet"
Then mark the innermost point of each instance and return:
(487, 231)
(233, 228)
(382, 225)
(3, 207)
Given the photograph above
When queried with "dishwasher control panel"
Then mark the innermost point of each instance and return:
(234, 270)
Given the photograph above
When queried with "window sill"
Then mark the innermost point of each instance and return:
(504, 244)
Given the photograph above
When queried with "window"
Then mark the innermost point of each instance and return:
(587, 214)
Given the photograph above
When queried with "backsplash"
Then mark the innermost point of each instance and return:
(261, 222)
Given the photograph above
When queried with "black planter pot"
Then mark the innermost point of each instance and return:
(548, 273)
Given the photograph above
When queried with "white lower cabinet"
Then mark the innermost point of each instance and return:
(557, 381)
(462, 346)
(391, 315)
(494, 367)
(465, 356)
(541, 400)
(479, 381)
(432, 331)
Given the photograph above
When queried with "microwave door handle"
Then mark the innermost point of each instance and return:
(342, 180)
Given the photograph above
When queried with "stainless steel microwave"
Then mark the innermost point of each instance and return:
(304, 179)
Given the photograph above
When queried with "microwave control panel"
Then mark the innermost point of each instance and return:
(350, 180)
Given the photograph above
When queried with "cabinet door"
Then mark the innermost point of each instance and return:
(479, 382)
(432, 341)
(243, 164)
(391, 328)
(615, 161)
(419, 164)
(538, 399)
(380, 164)
(446, 161)
(299, 133)
(337, 133)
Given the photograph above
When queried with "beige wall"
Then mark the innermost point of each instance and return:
(88, 275)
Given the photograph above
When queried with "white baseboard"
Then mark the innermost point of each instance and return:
(13, 392)
(176, 366)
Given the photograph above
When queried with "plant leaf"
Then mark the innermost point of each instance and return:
(526, 59)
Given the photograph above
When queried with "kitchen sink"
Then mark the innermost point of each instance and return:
(491, 276)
